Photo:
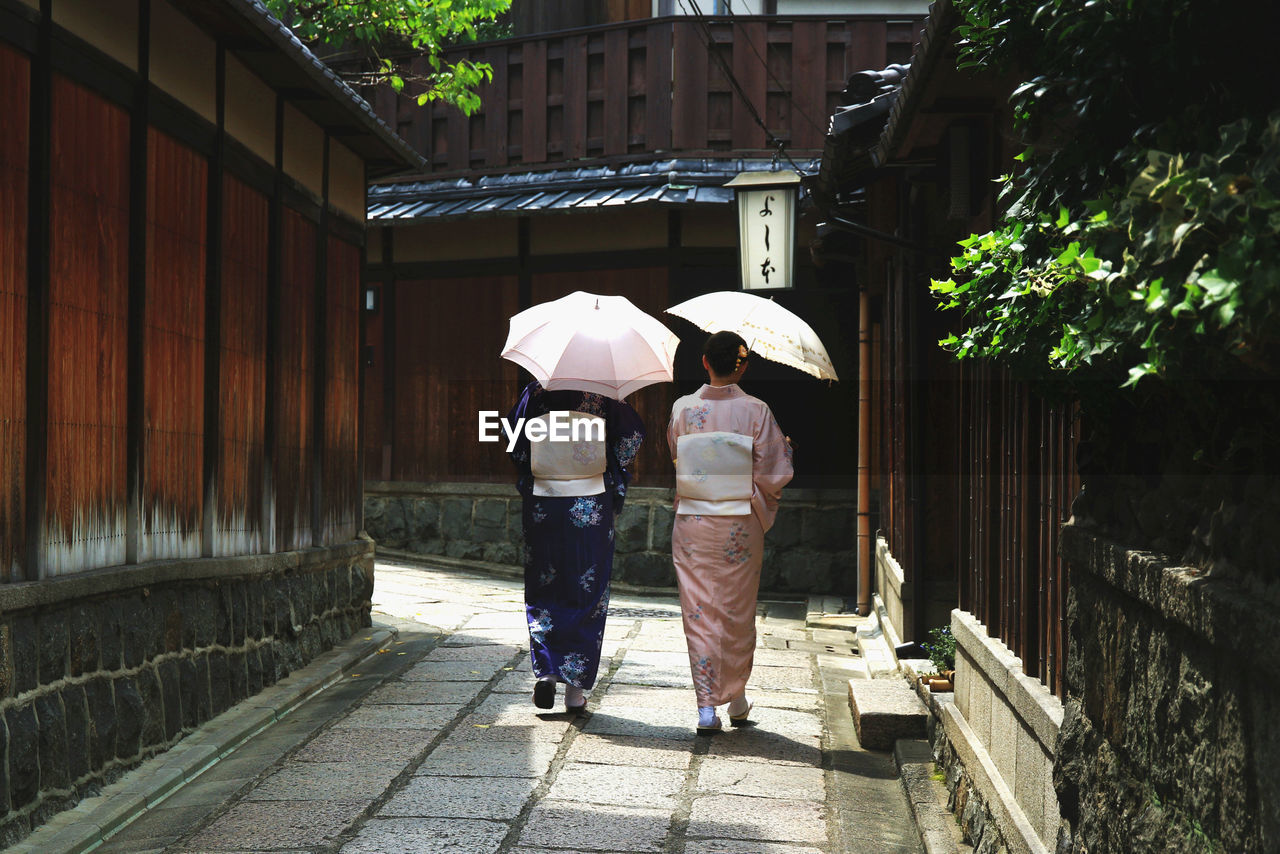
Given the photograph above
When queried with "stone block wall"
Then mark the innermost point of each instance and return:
(997, 743)
(102, 670)
(898, 595)
(810, 549)
(1169, 741)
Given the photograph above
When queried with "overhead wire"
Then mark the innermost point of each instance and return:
(709, 38)
(767, 70)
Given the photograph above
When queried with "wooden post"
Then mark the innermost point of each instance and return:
(275, 267)
(213, 316)
(865, 544)
(39, 209)
(136, 324)
(319, 365)
(388, 354)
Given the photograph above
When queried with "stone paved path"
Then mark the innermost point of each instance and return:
(434, 746)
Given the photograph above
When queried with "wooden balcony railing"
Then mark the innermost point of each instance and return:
(661, 85)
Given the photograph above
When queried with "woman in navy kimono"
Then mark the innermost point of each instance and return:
(568, 553)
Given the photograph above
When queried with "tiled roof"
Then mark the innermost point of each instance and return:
(933, 43)
(354, 121)
(877, 107)
(669, 182)
(855, 127)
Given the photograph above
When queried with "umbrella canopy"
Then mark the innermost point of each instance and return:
(601, 344)
(769, 329)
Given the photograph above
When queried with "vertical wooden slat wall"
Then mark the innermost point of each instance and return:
(446, 374)
(341, 490)
(1019, 479)
(174, 330)
(643, 87)
(293, 402)
(85, 522)
(104, 269)
(15, 82)
(242, 370)
(750, 68)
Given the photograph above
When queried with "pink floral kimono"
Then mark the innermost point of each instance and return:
(736, 463)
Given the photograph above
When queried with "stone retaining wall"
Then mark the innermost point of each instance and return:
(996, 742)
(102, 670)
(810, 549)
(1169, 741)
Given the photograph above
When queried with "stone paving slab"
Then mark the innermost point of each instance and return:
(400, 717)
(781, 678)
(794, 699)
(456, 757)
(462, 797)
(371, 745)
(651, 697)
(326, 781)
(792, 722)
(415, 836)
(643, 722)
(627, 750)
(737, 846)
(452, 671)
(544, 729)
(517, 638)
(763, 780)
(661, 643)
(592, 827)
(498, 653)
(497, 620)
(511, 710)
(625, 785)
(276, 824)
(431, 693)
(515, 682)
(777, 658)
(665, 669)
(734, 817)
(760, 745)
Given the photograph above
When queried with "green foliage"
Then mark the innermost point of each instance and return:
(941, 648)
(372, 31)
(1142, 228)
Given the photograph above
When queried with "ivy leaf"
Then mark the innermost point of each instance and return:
(1137, 373)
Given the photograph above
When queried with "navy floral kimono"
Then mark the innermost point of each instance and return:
(568, 551)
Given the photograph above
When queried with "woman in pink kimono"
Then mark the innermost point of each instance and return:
(731, 464)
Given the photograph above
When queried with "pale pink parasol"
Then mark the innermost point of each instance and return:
(589, 342)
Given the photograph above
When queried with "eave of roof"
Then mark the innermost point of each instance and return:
(933, 44)
(271, 50)
(854, 127)
(664, 182)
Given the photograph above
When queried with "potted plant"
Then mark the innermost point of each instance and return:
(942, 652)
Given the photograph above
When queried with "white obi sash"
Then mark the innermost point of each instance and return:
(571, 460)
(713, 474)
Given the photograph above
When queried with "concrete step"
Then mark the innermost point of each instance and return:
(875, 648)
(885, 710)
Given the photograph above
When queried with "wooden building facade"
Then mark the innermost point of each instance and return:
(974, 472)
(182, 206)
(184, 246)
(597, 164)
